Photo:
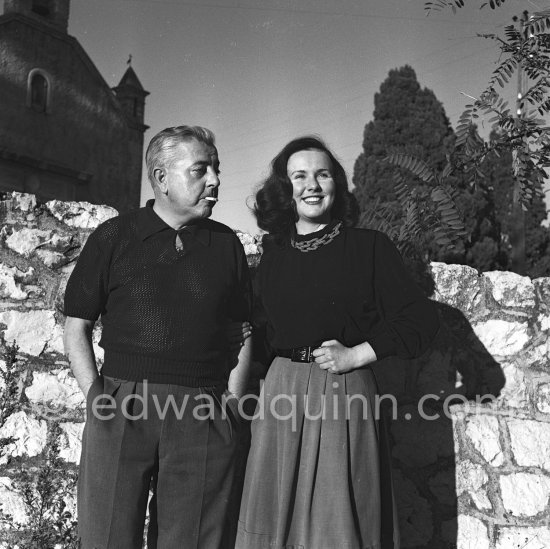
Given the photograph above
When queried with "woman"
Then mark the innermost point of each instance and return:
(336, 299)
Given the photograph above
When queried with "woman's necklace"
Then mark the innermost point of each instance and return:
(314, 243)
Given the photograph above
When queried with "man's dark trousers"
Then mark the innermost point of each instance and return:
(191, 461)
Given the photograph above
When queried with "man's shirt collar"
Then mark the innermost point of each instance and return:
(150, 223)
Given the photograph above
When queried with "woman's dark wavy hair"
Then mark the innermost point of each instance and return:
(274, 208)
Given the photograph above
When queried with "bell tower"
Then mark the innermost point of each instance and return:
(54, 12)
(131, 95)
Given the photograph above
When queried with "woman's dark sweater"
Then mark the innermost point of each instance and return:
(354, 289)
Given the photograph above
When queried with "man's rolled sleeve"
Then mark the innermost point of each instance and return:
(240, 306)
(86, 292)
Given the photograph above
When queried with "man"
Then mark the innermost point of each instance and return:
(166, 281)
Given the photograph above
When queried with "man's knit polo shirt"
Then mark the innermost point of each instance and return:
(163, 310)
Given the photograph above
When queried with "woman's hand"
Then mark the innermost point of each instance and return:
(338, 359)
(237, 333)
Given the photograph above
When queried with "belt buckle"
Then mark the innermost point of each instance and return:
(301, 354)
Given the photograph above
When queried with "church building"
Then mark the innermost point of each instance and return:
(64, 133)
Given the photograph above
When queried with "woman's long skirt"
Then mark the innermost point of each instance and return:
(318, 473)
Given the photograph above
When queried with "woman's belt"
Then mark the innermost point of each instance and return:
(298, 354)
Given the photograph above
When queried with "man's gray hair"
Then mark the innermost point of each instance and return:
(161, 148)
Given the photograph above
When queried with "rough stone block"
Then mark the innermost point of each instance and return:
(525, 494)
(472, 532)
(31, 330)
(542, 398)
(530, 441)
(9, 288)
(511, 290)
(471, 478)
(55, 391)
(419, 442)
(442, 486)
(502, 338)
(249, 243)
(523, 538)
(60, 242)
(30, 436)
(64, 272)
(11, 502)
(23, 202)
(81, 215)
(481, 500)
(514, 393)
(98, 351)
(538, 355)
(71, 441)
(48, 246)
(415, 517)
(52, 259)
(483, 432)
(458, 286)
(24, 241)
(542, 287)
(55, 343)
(544, 322)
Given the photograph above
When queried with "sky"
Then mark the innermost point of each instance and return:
(259, 73)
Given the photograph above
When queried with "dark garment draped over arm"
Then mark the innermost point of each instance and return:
(409, 320)
(261, 349)
(240, 303)
(87, 288)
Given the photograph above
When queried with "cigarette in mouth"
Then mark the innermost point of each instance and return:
(211, 198)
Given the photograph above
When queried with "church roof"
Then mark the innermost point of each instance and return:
(130, 79)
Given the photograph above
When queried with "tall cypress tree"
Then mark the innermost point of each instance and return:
(406, 119)
(410, 120)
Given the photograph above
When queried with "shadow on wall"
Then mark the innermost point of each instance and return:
(457, 368)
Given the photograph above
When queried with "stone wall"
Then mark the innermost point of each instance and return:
(469, 471)
(471, 441)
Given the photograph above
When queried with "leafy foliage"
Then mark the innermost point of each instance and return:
(414, 165)
(443, 203)
(10, 375)
(45, 491)
(519, 135)
(440, 215)
(404, 155)
(499, 181)
(524, 47)
(438, 5)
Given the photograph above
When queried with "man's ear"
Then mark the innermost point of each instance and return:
(159, 176)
